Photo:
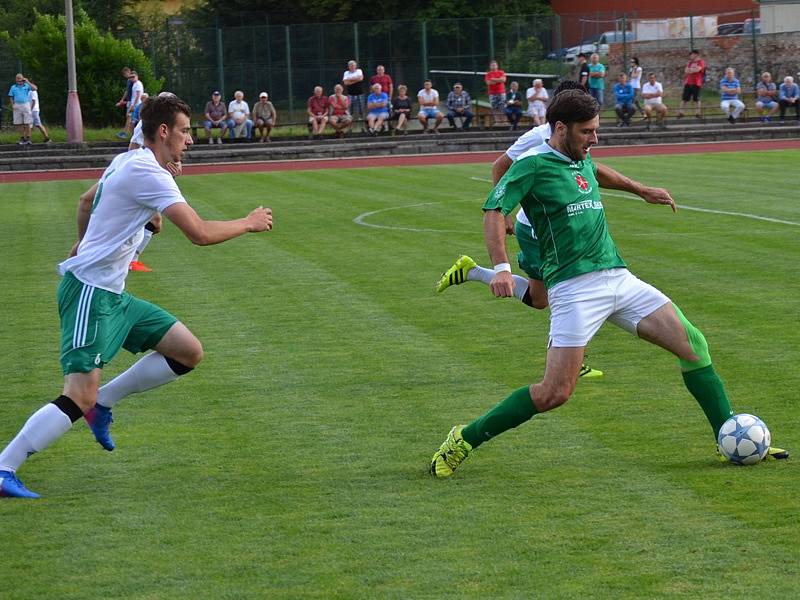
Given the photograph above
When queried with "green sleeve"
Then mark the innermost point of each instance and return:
(515, 185)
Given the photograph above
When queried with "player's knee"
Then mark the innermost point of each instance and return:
(194, 354)
(548, 397)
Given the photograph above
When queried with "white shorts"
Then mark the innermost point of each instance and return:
(23, 114)
(537, 109)
(37, 119)
(579, 306)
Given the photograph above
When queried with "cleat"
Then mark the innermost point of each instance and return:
(588, 372)
(99, 420)
(11, 487)
(450, 454)
(457, 274)
(776, 454)
(137, 266)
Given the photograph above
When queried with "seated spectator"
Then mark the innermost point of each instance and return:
(513, 107)
(428, 99)
(377, 109)
(340, 118)
(239, 122)
(789, 97)
(215, 115)
(387, 85)
(318, 107)
(402, 109)
(653, 95)
(459, 105)
(537, 102)
(623, 101)
(730, 89)
(766, 97)
(265, 117)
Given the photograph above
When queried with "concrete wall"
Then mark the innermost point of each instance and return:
(779, 18)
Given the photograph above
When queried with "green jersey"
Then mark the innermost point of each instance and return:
(561, 197)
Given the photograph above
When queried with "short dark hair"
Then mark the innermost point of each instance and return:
(581, 55)
(572, 106)
(694, 51)
(568, 84)
(161, 110)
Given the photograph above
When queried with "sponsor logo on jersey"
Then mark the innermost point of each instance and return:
(577, 208)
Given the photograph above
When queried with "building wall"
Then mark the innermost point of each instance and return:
(776, 18)
(658, 8)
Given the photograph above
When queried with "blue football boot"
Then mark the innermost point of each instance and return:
(99, 420)
(11, 487)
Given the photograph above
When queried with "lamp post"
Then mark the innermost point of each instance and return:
(74, 119)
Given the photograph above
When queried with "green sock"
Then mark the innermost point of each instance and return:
(706, 386)
(513, 411)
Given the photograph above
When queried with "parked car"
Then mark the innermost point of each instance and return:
(598, 44)
(730, 28)
(749, 24)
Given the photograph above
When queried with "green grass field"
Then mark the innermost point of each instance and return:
(293, 462)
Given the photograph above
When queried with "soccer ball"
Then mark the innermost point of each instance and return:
(744, 439)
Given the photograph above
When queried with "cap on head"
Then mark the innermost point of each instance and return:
(263, 95)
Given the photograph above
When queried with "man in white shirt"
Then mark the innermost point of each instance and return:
(353, 82)
(137, 89)
(98, 317)
(37, 117)
(239, 121)
(428, 99)
(537, 102)
(653, 95)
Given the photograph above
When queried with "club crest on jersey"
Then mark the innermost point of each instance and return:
(583, 184)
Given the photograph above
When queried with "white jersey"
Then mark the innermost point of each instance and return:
(35, 98)
(138, 136)
(527, 141)
(650, 88)
(137, 87)
(132, 190)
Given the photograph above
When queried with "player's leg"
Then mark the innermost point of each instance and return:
(466, 269)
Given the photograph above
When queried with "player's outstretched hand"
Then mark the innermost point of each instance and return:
(502, 285)
(260, 219)
(653, 195)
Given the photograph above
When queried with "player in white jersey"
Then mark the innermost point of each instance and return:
(98, 317)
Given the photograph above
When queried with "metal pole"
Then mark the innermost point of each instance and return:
(691, 32)
(74, 118)
(356, 49)
(624, 42)
(491, 39)
(755, 48)
(220, 63)
(289, 73)
(424, 41)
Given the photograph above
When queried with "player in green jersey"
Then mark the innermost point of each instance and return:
(586, 279)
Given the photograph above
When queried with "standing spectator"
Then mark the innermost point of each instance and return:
(387, 85)
(583, 71)
(215, 115)
(317, 113)
(265, 117)
(695, 72)
(513, 109)
(239, 122)
(353, 81)
(635, 79)
(137, 89)
(402, 109)
(789, 97)
(428, 99)
(137, 111)
(623, 101)
(730, 89)
(36, 115)
(597, 78)
(340, 118)
(653, 94)
(377, 109)
(19, 96)
(495, 80)
(125, 100)
(766, 97)
(537, 102)
(459, 105)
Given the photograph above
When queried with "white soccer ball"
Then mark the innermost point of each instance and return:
(744, 439)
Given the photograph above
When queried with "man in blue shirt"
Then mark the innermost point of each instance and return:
(789, 97)
(20, 99)
(623, 95)
(730, 89)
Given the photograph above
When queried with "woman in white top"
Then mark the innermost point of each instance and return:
(635, 79)
(537, 102)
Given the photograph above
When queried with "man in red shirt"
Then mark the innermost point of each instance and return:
(387, 85)
(318, 106)
(695, 74)
(496, 83)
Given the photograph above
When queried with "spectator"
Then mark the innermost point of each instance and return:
(459, 105)
(20, 99)
(353, 81)
(317, 113)
(695, 72)
(653, 95)
(125, 100)
(789, 97)
(635, 79)
(537, 102)
(730, 89)
(402, 109)
(428, 99)
(495, 80)
(340, 118)
(513, 109)
(137, 89)
(766, 97)
(215, 115)
(583, 71)
(623, 101)
(377, 109)
(265, 117)
(387, 85)
(597, 78)
(239, 122)
(36, 115)
(137, 110)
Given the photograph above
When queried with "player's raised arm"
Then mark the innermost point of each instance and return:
(611, 179)
(205, 233)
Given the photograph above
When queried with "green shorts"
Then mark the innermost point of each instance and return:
(96, 323)
(528, 257)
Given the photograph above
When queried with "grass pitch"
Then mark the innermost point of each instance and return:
(293, 462)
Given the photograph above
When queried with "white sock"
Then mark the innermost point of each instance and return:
(148, 372)
(520, 287)
(43, 427)
(148, 235)
(484, 275)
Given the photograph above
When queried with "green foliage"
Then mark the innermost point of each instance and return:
(529, 57)
(17, 16)
(99, 58)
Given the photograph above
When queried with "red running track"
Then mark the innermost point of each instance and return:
(413, 160)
